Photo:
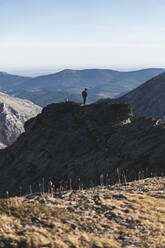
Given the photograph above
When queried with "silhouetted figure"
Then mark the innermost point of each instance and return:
(84, 95)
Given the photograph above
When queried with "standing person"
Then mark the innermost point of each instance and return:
(84, 95)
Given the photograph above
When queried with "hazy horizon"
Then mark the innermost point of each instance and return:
(38, 71)
(86, 34)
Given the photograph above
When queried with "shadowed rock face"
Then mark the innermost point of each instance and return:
(68, 140)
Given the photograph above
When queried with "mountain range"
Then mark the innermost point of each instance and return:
(68, 84)
(145, 88)
(95, 78)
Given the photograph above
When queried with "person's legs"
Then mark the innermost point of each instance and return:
(84, 100)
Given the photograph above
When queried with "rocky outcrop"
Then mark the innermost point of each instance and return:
(13, 114)
(68, 141)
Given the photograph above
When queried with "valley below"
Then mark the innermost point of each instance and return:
(68, 84)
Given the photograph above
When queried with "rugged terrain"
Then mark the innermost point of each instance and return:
(71, 142)
(126, 216)
(148, 99)
(13, 114)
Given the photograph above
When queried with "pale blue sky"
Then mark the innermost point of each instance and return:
(82, 33)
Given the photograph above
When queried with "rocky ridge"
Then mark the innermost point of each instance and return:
(71, 143)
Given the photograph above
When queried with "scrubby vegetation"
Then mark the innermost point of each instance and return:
(131, 215)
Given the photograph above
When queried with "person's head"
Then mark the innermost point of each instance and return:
(86, 89)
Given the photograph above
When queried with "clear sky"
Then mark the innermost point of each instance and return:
(82, 33)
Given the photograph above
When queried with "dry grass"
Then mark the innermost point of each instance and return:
(26, 212)
(101, 217)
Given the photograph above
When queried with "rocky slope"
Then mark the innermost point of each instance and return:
(77, 144)
(148, 99)
(13, 114)
(131, 215)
